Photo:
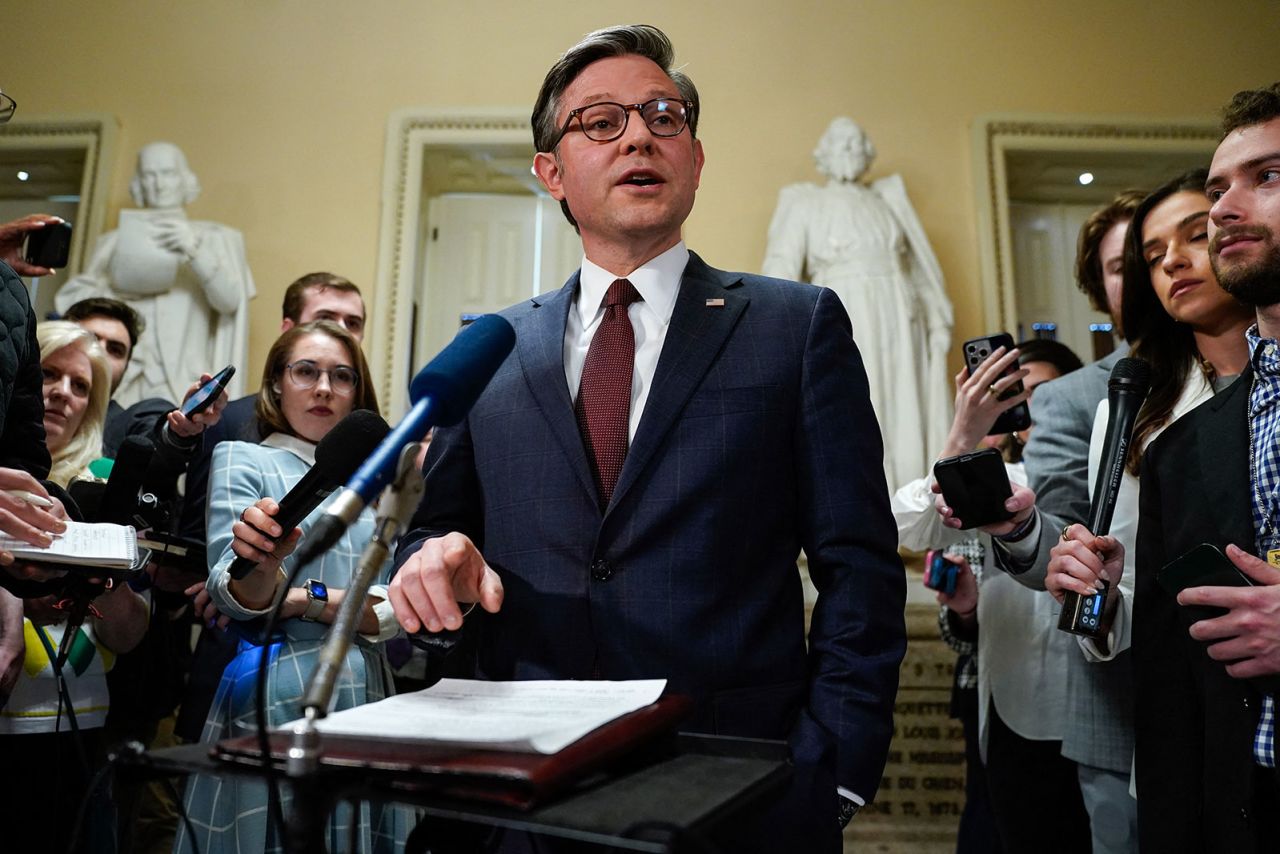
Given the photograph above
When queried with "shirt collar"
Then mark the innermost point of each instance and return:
(300, 448)
(657, 280)
(1264, 353)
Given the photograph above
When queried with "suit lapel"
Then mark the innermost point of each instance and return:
(696, 335)
(540, 344)
(1222, 441)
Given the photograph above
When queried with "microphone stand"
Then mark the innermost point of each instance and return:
(311, 801)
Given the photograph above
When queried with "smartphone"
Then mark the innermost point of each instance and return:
(1207, 566)
(975, 486)
(1203, 566)
(976, 351)
(49, 246)
(940, 572)
(208, 393)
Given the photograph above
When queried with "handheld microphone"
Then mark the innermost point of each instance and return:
(1130, 381)
(119, 501)
(338, 455)
(443, 393)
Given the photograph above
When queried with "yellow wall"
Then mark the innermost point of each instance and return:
(281, 105)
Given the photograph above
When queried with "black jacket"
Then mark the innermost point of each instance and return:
(22, 439)
(1194, 723)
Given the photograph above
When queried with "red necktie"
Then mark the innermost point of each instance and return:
(604, 394)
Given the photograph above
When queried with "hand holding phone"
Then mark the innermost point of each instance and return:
(49, 246)
(204, 396)
(951, 577)
(975, 487)
(1248, 642)
(977, 351)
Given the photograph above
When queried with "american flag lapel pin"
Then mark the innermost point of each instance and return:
(718, 302)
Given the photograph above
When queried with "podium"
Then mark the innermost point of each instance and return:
(695, 786)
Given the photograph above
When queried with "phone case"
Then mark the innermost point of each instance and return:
(976, 351)
(49, 246)
(975, 486)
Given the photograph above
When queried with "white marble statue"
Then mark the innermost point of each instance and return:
(188, 279)
(866, 244)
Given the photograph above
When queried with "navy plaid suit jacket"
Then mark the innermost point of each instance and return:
(757, 440)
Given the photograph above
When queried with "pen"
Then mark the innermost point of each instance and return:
(31, 498)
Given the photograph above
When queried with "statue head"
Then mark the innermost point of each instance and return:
(163, 179)
(844, 152)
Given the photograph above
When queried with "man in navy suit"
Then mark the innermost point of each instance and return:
(749, 437)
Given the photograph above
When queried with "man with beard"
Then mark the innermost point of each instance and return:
(1205, 678)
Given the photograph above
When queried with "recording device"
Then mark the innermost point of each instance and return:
(1130, 381)
(338, 455)
(976, 351)
(49, 246)
(975, 487)
(443, 393)
(940, 572)
(208, 393)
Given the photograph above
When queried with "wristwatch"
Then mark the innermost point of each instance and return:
(317, 598)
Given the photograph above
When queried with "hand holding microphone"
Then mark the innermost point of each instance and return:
(1087, 613)
(1082, 561)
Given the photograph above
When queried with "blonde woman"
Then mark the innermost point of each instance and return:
(51, 738)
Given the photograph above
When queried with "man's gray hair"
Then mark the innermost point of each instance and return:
(629, 40)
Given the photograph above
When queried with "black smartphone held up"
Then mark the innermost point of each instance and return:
(977, 351)
(940, 572)
(208, 393)
(975, 486)
(49, 246)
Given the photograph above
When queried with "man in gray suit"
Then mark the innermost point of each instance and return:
(1099, 722)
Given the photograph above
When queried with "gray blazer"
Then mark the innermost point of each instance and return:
(1099, 723)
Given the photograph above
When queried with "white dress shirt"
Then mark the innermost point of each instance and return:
(658, 282)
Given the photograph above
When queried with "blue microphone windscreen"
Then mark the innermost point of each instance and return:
(455, 378)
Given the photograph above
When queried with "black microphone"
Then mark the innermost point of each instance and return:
(338, 455)
(119, 501)
(442, 393)
(1126, 390)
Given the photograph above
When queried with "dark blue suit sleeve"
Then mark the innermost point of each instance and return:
(857, 637)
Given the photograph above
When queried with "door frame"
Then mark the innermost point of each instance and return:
(95, 135)
(995, 135)
(401, 249)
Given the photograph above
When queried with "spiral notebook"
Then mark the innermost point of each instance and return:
(84, 543)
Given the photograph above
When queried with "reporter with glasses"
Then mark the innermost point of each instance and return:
(314, 377)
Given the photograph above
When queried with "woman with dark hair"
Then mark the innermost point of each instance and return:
(314, 377)
(1192, 333)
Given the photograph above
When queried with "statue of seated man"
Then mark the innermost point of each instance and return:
(188, 279)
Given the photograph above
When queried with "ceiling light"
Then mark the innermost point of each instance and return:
(1085, 179)
(23, 175)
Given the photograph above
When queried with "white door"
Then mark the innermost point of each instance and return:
(485, 252)
(1044, 256)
